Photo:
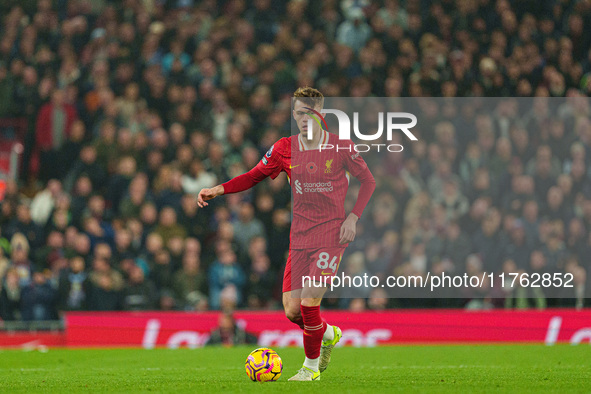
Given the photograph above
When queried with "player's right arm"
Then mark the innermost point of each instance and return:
(234, 185)
(270, 165)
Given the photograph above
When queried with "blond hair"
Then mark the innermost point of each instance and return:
(309, 96)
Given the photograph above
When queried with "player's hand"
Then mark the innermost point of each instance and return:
(348, 229)
(208, 194)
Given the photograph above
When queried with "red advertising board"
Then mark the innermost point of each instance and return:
(178, 329)
(31, 340)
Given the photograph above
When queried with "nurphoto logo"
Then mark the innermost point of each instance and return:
(392, 120)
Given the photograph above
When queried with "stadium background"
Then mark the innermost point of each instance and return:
(126, 109)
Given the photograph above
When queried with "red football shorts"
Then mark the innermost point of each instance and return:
(316, 263)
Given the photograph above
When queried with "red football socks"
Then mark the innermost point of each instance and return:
(299, 322)
(314, 328)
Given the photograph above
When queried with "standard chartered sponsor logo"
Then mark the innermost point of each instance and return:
(318, 187)
(313, 187)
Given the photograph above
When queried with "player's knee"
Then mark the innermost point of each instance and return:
(311, 301)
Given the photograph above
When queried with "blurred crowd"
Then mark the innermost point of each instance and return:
(516, 203)
(133, 106)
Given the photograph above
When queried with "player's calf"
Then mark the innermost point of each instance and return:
(291, 305)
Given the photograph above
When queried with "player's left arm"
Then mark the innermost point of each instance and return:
(357, 167)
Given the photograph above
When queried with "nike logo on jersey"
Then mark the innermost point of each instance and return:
(290, 166)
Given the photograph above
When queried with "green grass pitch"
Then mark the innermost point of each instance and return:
(462, 368)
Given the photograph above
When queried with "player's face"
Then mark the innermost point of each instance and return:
(303, 118)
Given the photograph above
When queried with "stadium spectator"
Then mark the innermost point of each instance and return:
(123, 247)
(22, 223)
(53, 127)
(486, 241)
(225, 272)
(354, 31)
(189, 283)
(168, 226)
(261, 282)
(161, 269)
(197, 177)
(38, 299)
(10, 296)
(43, 203)
(19, 259)
(80, 246)
(138, 293)
(228, 333)
(6, 89)
(99, 231)
(105, 286)
(137, 194)
(4, 257)
(52, 255)
(191, 218)
(72, 286)
(176, 247)
(247, 226)
(355, 267)
(515, 245)
(86, 166)
(452, 201)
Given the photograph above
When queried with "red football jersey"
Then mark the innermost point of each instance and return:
(319, 183)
